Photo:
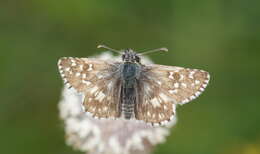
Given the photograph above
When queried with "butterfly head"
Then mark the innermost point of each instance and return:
(130, 56)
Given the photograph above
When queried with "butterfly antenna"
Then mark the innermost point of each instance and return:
(154, 50)
(108, 48)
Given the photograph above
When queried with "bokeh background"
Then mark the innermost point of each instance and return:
(222, 37)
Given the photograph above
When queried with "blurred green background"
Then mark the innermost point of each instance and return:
(222, 37)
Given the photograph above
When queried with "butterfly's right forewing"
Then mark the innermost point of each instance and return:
(181, 84)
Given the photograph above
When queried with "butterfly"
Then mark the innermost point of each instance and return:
(130, 89)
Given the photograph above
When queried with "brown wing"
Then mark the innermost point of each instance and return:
(97, 80)
(153, 105)
(165, 86)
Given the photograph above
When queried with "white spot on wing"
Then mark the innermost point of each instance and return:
(173, 91)
(191, 74)
(164, 97)
(197, 82)
(201, 89)
(148, 114)
(181, 77)
(93, 90)
(176, 85)
(185, 101)
(81, 67)
(105, 108)
(192, 97)
(184, 85)
(90, 67)
(86, 82)
(197, 93)
(171, 75)
(110, 85)
(155, 102)
(100, 96)
(99, 76)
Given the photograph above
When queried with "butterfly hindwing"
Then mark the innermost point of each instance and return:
(153, 106)
(162, 87)
(96, 80)
(102, 100)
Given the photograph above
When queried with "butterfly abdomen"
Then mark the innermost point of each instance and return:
(128, 102)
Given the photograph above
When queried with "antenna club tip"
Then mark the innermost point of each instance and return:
(164, 49)
(100, 46)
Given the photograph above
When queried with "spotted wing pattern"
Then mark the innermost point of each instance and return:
(163, 87)
(97, 80)
(153, 105)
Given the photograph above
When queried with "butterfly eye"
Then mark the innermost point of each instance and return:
(137, 59)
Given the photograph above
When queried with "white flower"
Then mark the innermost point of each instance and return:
(107, 136)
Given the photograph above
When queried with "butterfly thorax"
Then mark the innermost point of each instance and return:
(129, 74)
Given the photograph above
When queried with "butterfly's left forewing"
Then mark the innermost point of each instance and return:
(97, 80)
(163, 87)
